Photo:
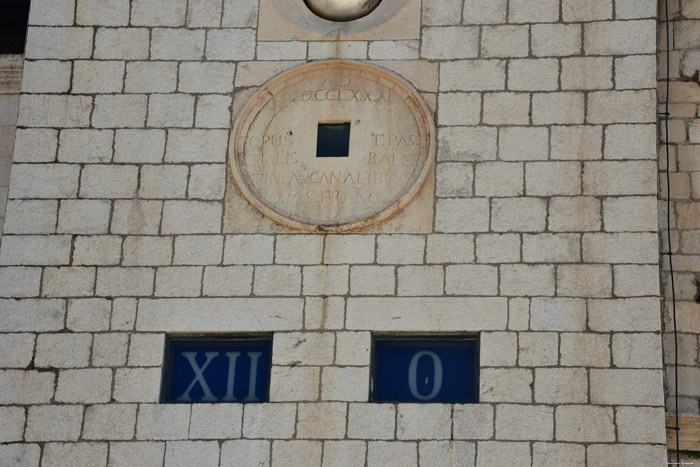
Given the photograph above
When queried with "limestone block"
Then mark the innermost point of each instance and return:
(119, 111)
(558, 108)
(32, 314)
(631, 314)
(584, 280)
(343, 249)
(110, 421)
(44, 181)
(277, 280)
(557, 454)
(136, 453)
(636, 280)
(393, 50)
(35, 145)
(202, 13)
(13, 426)
(371, 421)
(109, 181)
(399, 249)
(518, 314)
(110, 349)
(620, 37)
(558, 314)
(55, 111)
(498, 349)
(210, 314)
(484, 11)
(26, 387)
(523, 11)
(321, 420)
(85, 386)
(210, 421)
(576, 143)
(585, 423)
(326, 280)
(620, 248)
(137, 385)
(505, 385)
(471, 280)
(292, 384)
(538, 349)
(551, 248)
(495, 453)
(462, 215)
(123, 314)
(57, 454)
(102, 76)
(21, 454)
(227, 281)
(640, 424)
(124, 282)
(473, 75)
(146, 349)
(274, 421)
(343, 453)
(586, 10)
(524, 422)
(549, 40)
(574, 214)
(473, 421)
(52, 12)
(630, 214)
(186, 453)
(121, 43)
(419, 421)
(630, 142)
(450, 248)
(621, 106)
(20, 282)
(46, 76)
(171, 110)
(579, 349)
(204, 77)
(97, 250)
(344, 384)
(507, 108)
(637, 350)
(231, 44)
(459, 108)
(178, 281)
(553, 178)
(248, 249)
(421, 280)
(410, 314)
(198, 249)
(448, 43)
(454, 179)
(191, 217)
(498, 179)
(303, 349)
(497, 248)
(632, 387)
(145, 77)
(58, 43)
(291, 50)
(88, 146)
(83, 216)
(163, 181)
(511, 147)
(19, 350)
(348, 50)
(533, 74)
(207, 181)
(136, 217)
(298, 249)
(90, 314)
(158, 12)
(353, 348)
(294, 453)
(213, 111)
(256, 73)
(561, 385)
(467, 144)
(391, 454)
(522, 279)
(635, 72)
(240, 453)
(372, 280)
(504, 41)
(63, 350)
(163, 421)
(54, 423)
(196, 145)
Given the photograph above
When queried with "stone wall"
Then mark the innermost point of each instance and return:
(684, 139)
(544, 242)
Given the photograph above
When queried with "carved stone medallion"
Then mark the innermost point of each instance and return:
(280, 161)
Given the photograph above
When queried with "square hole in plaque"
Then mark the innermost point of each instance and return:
(333, 140)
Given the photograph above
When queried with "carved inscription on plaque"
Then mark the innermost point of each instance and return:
(274, 158)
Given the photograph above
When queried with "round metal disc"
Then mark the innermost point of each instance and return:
(342, 10)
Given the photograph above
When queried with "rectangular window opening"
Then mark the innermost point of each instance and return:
(14, 15)
(333, 140)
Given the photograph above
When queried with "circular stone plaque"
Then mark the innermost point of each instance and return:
(332, 146)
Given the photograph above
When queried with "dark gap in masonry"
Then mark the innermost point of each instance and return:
(333, 140)
(14, 15)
